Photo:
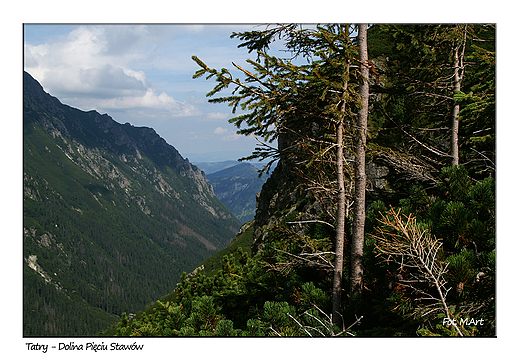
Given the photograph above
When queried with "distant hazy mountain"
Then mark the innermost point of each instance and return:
(213, 167)
(216, 157)
(237, 187)
(112, 217)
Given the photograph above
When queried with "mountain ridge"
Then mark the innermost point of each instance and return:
(113, 215)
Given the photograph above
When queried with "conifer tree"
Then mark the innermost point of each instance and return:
(440, 238)
(283, 98)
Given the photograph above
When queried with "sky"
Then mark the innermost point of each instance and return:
(142, 74)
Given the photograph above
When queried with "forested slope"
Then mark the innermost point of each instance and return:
(112, 217)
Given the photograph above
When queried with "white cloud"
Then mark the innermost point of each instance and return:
(82, 63)
(220, 130)
(93, 65)
(218, 115)
(194, 99)
(233, 137)
(149, 100)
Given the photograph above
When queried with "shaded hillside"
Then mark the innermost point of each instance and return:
(112, 217)
(237, 187)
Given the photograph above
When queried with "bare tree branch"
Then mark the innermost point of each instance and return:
(405, 242)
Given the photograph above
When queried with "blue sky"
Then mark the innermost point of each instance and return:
(142, 74)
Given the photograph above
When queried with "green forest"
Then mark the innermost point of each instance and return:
(410, 252)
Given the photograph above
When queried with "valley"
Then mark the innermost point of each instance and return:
(112, 217)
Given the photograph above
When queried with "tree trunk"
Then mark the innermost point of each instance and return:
(455, 133)
(340, 217)
(455, 114)
(457, 82)
(358, 226)
(340, 232)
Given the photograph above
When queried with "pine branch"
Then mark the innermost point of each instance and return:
(327, 326)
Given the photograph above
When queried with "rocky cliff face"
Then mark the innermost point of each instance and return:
(285, 196)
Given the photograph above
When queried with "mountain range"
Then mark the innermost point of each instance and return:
(237, 187)
(112, 216)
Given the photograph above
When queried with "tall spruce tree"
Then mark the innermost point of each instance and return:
(280, 97)
(311, 105)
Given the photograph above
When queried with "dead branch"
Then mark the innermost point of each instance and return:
(405, 242)
(327, 326)
(312, 221)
